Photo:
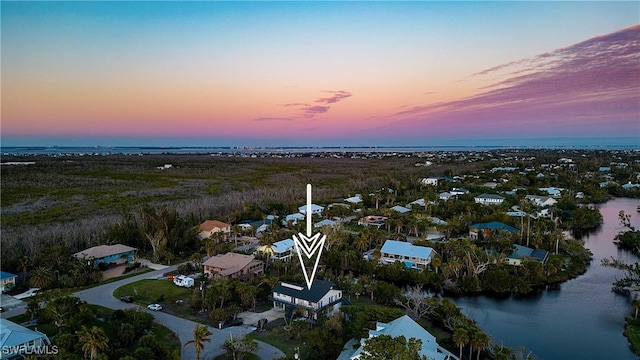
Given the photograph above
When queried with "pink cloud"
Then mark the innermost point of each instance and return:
(576, 88)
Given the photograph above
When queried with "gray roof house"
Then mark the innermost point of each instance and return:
(522, 252)
(322, 298)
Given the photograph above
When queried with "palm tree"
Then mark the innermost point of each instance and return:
(636, 305)
(93, 340)
(41, 278)
(480, 341)
(201, 335)
(436, 262)
(461, 338)
(196, 259)
(24, 262)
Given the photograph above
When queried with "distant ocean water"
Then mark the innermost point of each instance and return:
(142, 150)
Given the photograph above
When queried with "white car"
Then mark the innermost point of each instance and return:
(154, 307)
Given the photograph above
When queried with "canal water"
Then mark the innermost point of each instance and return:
(582, 320)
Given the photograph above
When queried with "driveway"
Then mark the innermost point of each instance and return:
(103, 295)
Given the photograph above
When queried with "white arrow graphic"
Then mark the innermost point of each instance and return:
(308, 244)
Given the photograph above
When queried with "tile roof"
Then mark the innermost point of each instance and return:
(209, 225)
(100, 251)
(319, 289)
(229, 263)
(405, 249)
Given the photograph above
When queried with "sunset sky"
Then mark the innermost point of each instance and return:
(319, 73)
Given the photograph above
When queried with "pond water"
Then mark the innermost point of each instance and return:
(581, 320)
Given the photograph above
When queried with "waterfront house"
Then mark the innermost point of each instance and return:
(412, 256)
(407, 327)
(484, 230)
(108, 254)
(322, 298)
(232, 265)
(522, 252)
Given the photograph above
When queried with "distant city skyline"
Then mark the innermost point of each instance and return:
(320, 73)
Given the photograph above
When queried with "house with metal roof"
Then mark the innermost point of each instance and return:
(116, 254)
(280, 250)
(407, 327)
(485, 229)
(412, 256)
(541, 200)
(522, 252)
(315, 209)
(293, 219)
(489, 199)
(16, 341)
(321, 299)
(401, 209)
(7, 281)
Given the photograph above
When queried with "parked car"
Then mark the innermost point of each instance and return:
(127, 299)
(154, 307)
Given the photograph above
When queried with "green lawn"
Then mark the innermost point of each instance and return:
(278, 337)
(154, 291)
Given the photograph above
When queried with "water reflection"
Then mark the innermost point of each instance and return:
(581, 320)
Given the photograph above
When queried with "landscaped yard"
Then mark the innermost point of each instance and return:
(277, 336)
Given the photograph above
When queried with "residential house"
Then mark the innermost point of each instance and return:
(490, 184)
(459, 191)
(434, 181)
(109, 254)
(552, 191)
(280, 250)
(445, 196)
(372, 220)
(407, 327)
(415, 257)
(486, 229)
(17, 341)
(315, 209)
(7, 281)
(401, 209)
(232, 265)
(419, 202)
(321, 299)
(293, 219)
(522, 252)
(541, 201)
(354, 199)
(629, 186)
(210, 227)
(489, 199)
(325, 222)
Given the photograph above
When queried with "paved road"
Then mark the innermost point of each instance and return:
(103, 295)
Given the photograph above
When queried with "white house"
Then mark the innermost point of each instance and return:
(7, 281)
(293, 218)
(322, 298)
(315, 209)
(459, 191)
(489, 199)
(400, 209)
(354, 199)
(541, 200)
(415, 257)
(431, 181)
(407, 327)
(445, 196)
